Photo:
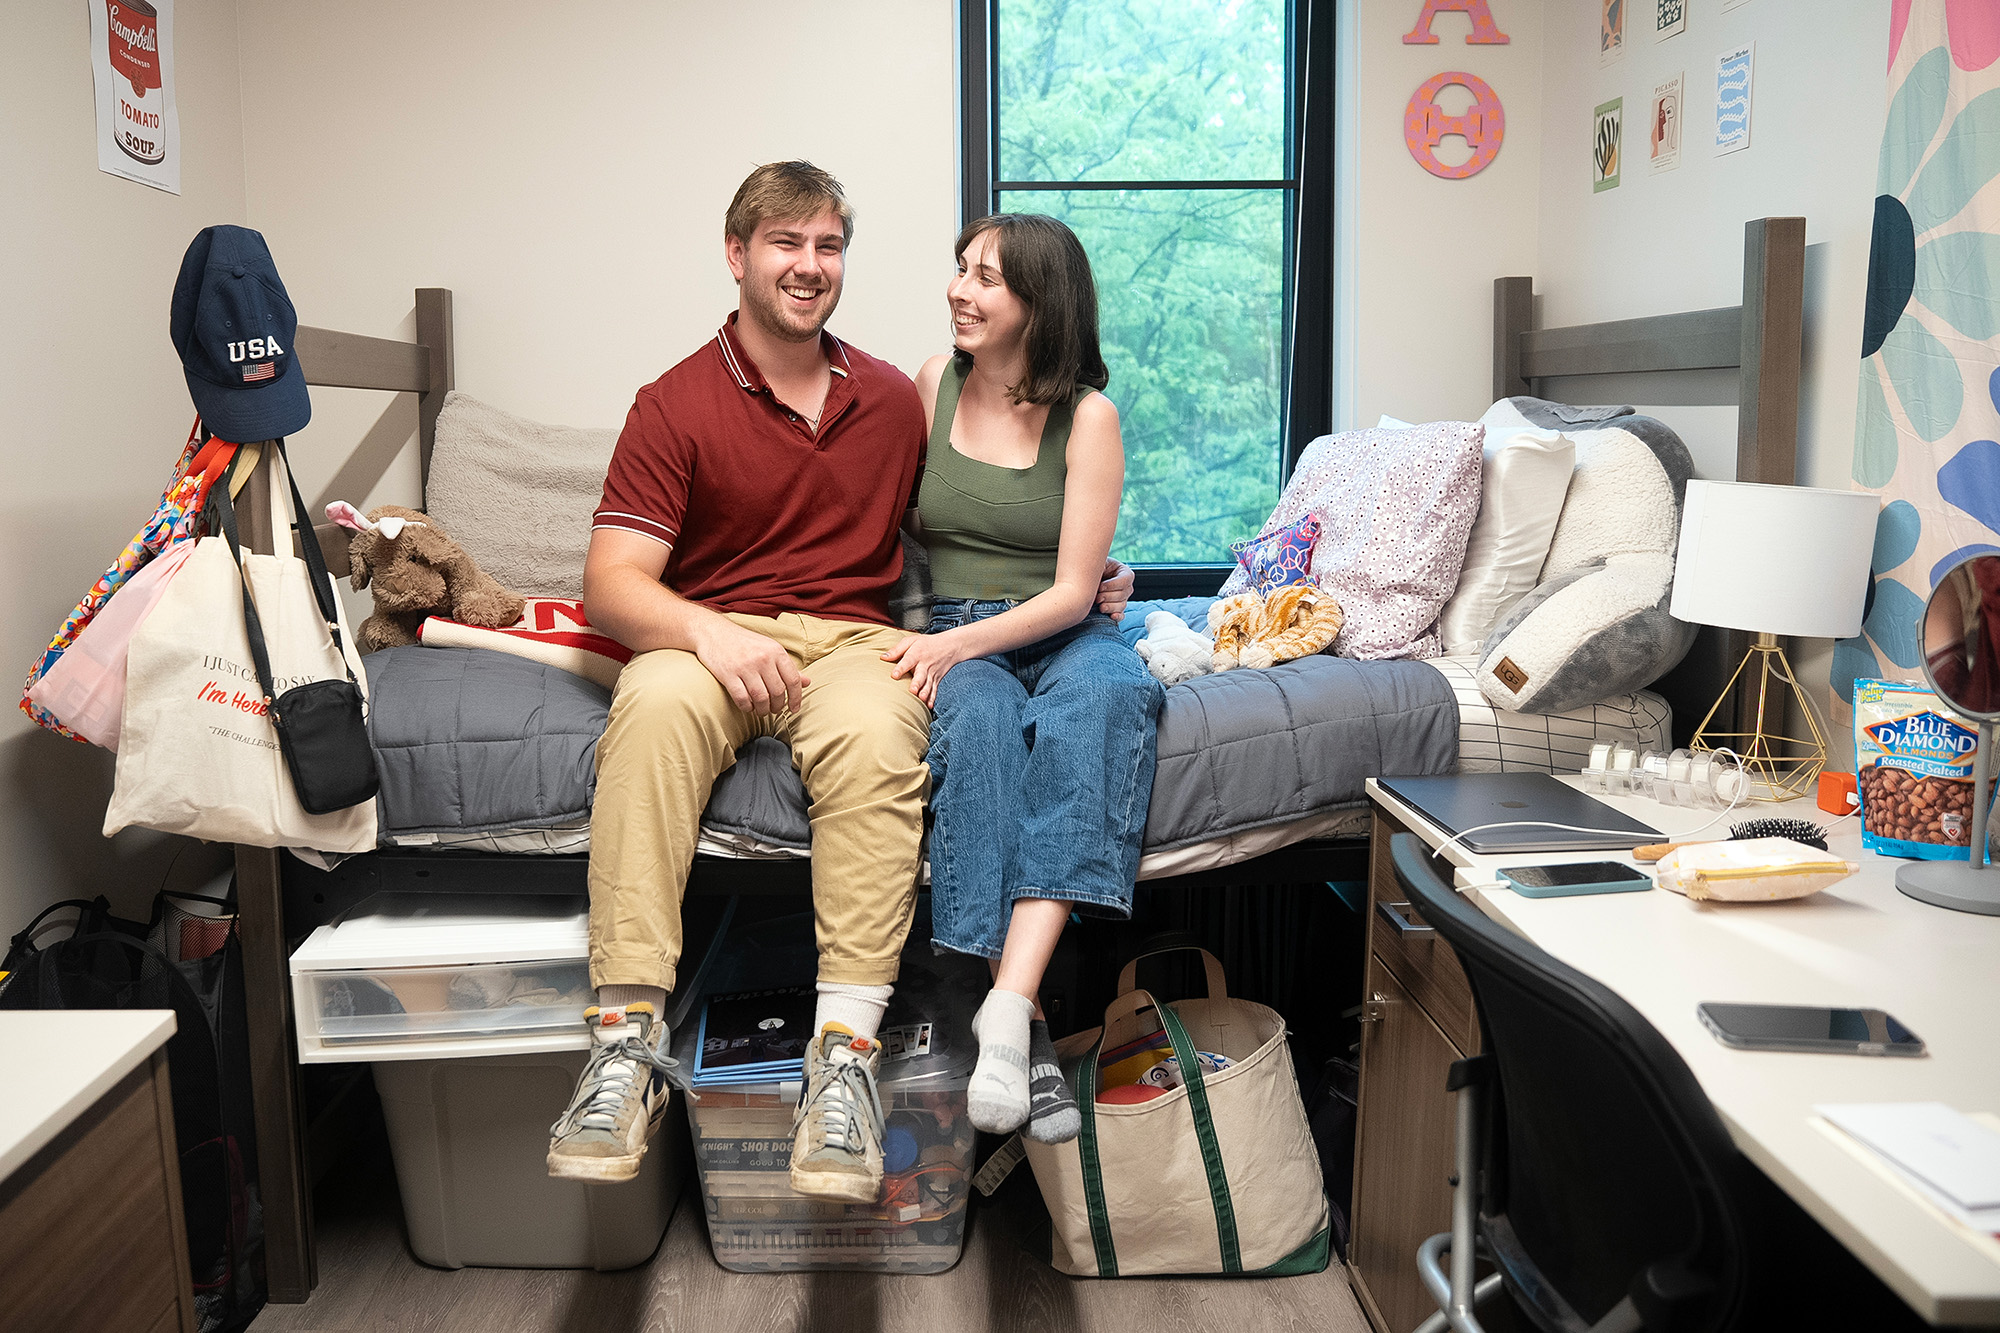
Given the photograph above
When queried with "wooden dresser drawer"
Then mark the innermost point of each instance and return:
(90, 1227)
(1403, 1153)
(1412, 951)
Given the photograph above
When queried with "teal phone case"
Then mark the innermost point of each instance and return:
(1573, 890)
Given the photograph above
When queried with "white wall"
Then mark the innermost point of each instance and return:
(564, 170)
(1416, 254)
(92, 405)
(1674, 241)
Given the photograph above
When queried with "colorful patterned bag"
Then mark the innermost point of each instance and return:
(202, 460)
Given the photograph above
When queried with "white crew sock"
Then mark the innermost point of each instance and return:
(859, 1009)
(997, 1100)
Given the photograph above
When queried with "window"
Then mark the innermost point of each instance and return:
(1162, 132)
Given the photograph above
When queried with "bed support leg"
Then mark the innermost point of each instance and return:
(286, 1186)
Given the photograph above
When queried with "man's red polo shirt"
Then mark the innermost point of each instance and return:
(763, 514)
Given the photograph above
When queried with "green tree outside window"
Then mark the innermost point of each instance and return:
(1191, 282)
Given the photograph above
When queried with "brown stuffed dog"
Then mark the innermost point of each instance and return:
(420, 571)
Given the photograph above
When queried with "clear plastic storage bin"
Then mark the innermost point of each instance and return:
(470, 1008)
(417, 977)
(743, 1148)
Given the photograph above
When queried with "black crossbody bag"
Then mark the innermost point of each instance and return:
(322, 728)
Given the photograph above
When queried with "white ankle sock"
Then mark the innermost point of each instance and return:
(997, 1100)
(857, 1008)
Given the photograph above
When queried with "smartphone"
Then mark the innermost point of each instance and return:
(1791, 1027)
(1583, 877)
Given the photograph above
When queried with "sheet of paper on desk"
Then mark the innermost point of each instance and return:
(1954, 1159)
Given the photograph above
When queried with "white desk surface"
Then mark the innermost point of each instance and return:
(55, 1064)
(1859, 944)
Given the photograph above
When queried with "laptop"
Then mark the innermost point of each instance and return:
(1528, 803)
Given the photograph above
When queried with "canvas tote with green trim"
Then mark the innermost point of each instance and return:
(1219, 1176)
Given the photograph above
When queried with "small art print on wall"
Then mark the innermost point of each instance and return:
(1733, 77)
(1604, 145)
(1670, 18)
(1610, 30)
(1663, 124)
(138, 120)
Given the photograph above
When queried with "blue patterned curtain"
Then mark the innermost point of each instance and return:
(1929, 410)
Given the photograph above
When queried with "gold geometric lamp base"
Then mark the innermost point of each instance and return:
(1780, 766)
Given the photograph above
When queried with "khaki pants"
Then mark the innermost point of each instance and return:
(858, 741)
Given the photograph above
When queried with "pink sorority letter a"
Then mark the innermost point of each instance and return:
(1485, 32)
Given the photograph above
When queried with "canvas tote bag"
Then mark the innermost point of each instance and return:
(1219, 1176)
(197, 753)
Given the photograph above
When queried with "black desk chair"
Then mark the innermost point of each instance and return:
(1593, 1172)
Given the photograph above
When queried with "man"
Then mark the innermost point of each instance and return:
(744, 550)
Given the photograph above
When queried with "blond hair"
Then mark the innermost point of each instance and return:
(790, 191)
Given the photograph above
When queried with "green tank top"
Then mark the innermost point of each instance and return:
(992, 531)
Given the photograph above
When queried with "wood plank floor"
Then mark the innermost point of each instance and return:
(369, 1283)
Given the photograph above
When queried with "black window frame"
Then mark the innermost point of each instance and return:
(1307, 312)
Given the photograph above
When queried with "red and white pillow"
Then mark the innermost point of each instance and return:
(551, 630)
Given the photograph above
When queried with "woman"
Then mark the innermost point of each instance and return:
(1042, 749)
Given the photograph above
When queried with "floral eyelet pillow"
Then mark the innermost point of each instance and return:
(1395, 508)
(1278, 558)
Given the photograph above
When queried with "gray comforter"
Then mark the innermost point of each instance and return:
(472, 740)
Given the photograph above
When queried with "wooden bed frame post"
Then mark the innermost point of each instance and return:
(434, 334)
(1767, 415)
(426, 368)
(1513, 315)
(282, 1178)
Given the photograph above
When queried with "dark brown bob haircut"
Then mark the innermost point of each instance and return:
(789, 192)
(1044, 264)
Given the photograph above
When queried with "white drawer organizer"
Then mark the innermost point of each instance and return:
(432, 976)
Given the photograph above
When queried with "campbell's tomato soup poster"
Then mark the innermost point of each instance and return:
(132, 55)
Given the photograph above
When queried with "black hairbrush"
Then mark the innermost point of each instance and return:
(1798, 830)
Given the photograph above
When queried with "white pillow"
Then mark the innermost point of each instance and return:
(1526, 476)
(1387, 422)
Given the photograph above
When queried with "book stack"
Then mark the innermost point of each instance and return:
(754, 1036)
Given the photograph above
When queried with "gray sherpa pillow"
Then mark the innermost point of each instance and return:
(518, 495)
(1597, 623)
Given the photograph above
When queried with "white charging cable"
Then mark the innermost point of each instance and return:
(1742, 794)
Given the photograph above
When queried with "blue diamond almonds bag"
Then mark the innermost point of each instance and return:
(1913, 762)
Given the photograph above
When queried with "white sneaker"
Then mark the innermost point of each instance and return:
(837, 1133)
(619, 1099)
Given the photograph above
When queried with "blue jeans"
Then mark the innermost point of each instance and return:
(1041, 773)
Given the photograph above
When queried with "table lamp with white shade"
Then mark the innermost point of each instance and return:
(1773, 560)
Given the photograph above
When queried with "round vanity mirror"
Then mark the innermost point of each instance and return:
(1961, 644)
(1961, 635)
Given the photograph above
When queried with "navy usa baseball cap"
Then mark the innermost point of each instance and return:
(234, 327)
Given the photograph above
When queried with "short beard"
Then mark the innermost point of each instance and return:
(773, 318)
